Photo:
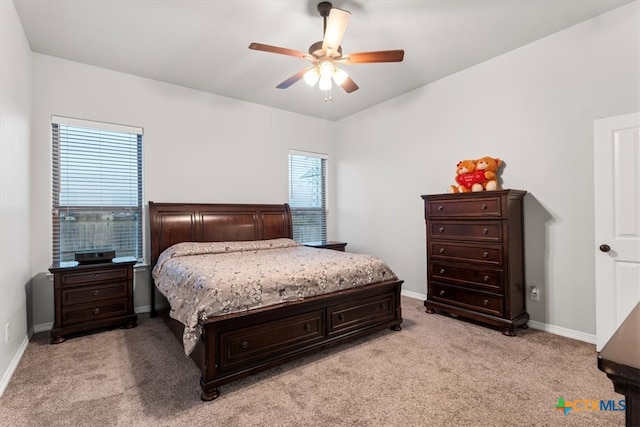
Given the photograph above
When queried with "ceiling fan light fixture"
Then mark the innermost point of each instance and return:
(339, 76)
(326, 69)
(325, 83)
(311, 77)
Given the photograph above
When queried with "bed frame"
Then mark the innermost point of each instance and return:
(237, 345)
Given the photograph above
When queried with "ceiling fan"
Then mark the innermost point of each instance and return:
(326, 54)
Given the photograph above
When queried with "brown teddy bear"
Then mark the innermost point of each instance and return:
(489, 167)
(468, 178)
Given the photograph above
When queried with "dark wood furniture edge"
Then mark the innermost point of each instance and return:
(620, 360)
(171, 223)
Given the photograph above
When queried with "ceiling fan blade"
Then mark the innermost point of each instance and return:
(336, 26)
(377, 56)
(276, 49)
(291, 80)
(349, 85)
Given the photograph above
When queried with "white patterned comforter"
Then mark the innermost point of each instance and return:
(201, 280)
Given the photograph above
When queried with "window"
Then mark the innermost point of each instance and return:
(97, 188)
(308, 196)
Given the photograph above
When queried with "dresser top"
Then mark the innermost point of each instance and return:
(475, 194)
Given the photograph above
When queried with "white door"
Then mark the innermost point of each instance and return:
(617, 221)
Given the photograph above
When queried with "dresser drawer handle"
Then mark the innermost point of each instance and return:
(485, 230)
(441, 229)
(307, 327)
(440, 207)
(442, 271)
(483, 207)
(486, 303)
(95, 276)
(96, 292)
(341, 317)
(382, 306)
(442, 293)
(96, 311)
(486, 278)
(485, 255)
(441, 250)
(244, 345)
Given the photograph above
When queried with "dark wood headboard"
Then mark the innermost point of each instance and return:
(171, 223)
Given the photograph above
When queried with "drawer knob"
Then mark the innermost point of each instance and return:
(442, 271)
(441, 250)
(485, 255)
(96, 292)
(95, 276)
(441, 229)
(341, 317)
(440, 207)
(244, 345)
(483, 207)
(307, 327)
(485, 230)
(96, 311)
(382, 305)
(486, 278)
(486, 302)
(442, 293)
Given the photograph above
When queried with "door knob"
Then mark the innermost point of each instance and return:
(605, 248)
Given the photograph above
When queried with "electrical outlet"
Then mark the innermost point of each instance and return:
(6, 332)
(534, 293)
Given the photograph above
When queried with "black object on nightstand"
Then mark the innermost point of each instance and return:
(92, 296)
(328, 244)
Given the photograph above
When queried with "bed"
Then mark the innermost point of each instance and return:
(237, 343)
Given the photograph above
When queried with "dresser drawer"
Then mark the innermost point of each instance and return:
(93, 276)
(462, 297)
(488, 231)
(261, 342)
(462, 276)
(478, 207)
(84, 294)
(466, 252)
(88, 312)
(361, 313)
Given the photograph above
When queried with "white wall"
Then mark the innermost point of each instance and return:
(534, 108)
(15, 104)
(198, 147)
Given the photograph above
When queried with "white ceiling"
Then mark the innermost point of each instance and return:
(203, 44)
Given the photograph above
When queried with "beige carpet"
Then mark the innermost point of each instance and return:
(437, 371)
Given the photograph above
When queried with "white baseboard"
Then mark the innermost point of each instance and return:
(14, 364)
(42, 327)
(556, 330)
(563, 332)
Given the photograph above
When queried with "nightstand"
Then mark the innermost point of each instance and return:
(92, 296)
(336, 246)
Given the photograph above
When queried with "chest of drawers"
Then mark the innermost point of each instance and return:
(92, 296)
(475, 257)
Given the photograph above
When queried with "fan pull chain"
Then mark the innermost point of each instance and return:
(327, 96)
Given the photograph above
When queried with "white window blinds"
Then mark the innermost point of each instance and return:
(308, 196)
(97, 189)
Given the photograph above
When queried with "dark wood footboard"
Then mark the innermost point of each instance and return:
(238, 345)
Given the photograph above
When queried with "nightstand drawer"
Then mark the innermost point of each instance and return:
(93, 276)
(488, 231)
(88, 313)
(94, 293)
